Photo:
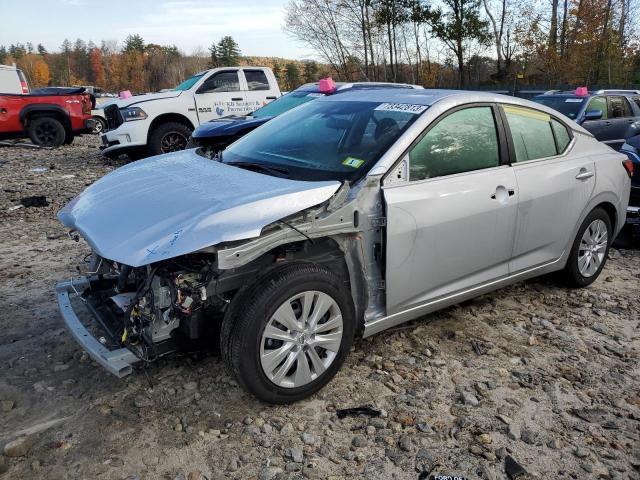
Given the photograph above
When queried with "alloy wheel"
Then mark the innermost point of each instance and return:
(173, 142)
(46, 133)
(301, 339)
(593, 247)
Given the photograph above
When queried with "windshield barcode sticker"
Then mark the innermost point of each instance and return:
(402, 107)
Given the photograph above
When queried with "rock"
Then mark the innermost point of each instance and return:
(425, 460)
(425, 428)
(504, 419)
(178, 427)
(7, 405)
(3, 465)
(60, 367)
(469, 398)
(438, 363)
(528, 436)
(195, 475)
(514, 432)
(190, 386)
(581, 452)
(359, 441)
(18, 447)
(234, 465)
(371, 430)
(287, 429)
(142, 402)
(405, 443)
(532, 340)
(309, 438)
(600, 328)
(512, 468)
(484, 438)
(104, 410)
(294, 454)
(268, 473)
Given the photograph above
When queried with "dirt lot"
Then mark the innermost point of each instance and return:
(546, 376)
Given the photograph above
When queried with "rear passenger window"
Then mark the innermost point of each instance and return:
(256, 80)
(619, 108)
(531, 133)
(463, 141)
(562, 135)
(637, 101)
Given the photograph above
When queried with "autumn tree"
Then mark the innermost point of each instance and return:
(97, 67)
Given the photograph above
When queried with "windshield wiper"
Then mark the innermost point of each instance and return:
(277, 171)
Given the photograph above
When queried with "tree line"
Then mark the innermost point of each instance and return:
(473, 42)
(142, 67)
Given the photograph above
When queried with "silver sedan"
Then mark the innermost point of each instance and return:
(342, 217)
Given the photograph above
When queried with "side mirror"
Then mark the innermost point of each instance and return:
(593, 115)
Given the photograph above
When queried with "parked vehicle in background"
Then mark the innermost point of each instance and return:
(162, 122)
(48, 116)
(607, 114)
(12, 80)
(631, 149)
(216, 135)
(353, 213)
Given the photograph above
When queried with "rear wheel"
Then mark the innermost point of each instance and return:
(291, 333)
(99, 126)
(46, 132)
(590, 249)
(169, 137)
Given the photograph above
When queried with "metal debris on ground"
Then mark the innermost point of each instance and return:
(367, 411)
(34, 201)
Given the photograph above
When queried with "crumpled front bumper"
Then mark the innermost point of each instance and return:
(119, 361)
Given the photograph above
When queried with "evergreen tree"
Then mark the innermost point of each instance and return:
(133, 43)
(3, 54)
(41, 50)
(228, 52)
(215, 59)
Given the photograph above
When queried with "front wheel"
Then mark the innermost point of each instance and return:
(590, 249)
(169, 137)
(291, 333)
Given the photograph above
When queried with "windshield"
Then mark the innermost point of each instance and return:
(189, 82)
(569, 106)
(326, 140)
(285, 103)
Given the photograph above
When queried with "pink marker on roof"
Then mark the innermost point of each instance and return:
(327, 85)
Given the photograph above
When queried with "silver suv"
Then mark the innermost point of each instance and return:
(344, 216)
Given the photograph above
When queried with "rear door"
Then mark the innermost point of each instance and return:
(553, 186)
(451, 225)
(621, 117)
(258, 89)
(220, 95)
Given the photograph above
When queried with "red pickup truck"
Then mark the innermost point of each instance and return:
(48, 116)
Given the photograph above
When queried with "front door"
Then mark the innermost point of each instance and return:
(553, 186)
(220, 95)
(601, 128)
(451, 226)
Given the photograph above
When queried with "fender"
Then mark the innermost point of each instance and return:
(45, 107)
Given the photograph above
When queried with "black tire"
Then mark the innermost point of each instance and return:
(100, 125)
(46, 132)
(68, 137)
(169, 137)
(571, 273)
(243, 327)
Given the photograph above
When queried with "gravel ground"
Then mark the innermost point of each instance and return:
(534, 373)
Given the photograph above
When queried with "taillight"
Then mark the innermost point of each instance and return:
(628, 166)
(25, 87)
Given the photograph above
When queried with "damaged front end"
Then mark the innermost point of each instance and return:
(144, 312)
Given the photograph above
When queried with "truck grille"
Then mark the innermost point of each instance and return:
(113, 117)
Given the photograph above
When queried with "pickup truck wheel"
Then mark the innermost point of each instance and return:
(590, 249)
(169, 137)
(99, 126)
(291, 333)
(46, 132)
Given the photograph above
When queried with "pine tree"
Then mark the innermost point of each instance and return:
(228, 52)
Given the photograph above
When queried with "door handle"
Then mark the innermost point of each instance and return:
(500, 192)
(237, 99)
(607, 124)
(584, 174)
(271, 98)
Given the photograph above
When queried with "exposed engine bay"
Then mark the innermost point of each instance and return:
(179, 304)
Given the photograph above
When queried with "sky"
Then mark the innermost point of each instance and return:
(189, 24)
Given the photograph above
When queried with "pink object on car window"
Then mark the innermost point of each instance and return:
(125, 94)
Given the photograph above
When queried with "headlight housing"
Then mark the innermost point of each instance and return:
(130, 114)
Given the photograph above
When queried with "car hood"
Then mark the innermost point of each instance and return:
(228, 126)
(174, 204)
(127, 102)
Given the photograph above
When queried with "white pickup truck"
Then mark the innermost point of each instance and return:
(159, 123)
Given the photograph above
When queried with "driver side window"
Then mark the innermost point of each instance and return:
(463, 141)
(598, 103)
(221, 82)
